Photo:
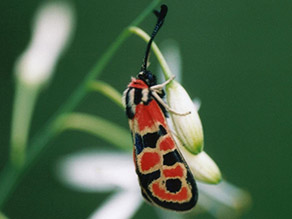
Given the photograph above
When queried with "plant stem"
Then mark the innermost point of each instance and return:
(2, 216)
(107, 91)
(10, 176)
(24, 102)
(118, 136)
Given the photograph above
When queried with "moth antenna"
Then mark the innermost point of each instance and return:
(160, 20)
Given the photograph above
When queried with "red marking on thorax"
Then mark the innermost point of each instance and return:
(174, 172)
(149, 115)
(167, 144)
(149, 160)
(162, 193)
(137, 83)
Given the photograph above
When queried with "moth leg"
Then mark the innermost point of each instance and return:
(158, 98)
(161, 86)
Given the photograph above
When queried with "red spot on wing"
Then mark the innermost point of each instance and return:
(167, 144)
(163, 194)
(149, 160)
(174, 172)
(149, 115)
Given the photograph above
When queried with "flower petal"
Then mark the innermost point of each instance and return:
(98, 171)
(121, 205)
(223, 200)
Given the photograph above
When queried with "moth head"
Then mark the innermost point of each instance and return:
(147, 77)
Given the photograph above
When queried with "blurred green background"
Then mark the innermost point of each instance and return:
(236, 59)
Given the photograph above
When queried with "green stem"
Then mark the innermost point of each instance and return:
(10, 176)
(97, 126)
(107, 90)
(165, 68)
(2, 216)
(24, 102)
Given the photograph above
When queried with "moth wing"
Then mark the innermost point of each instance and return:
(163, 174)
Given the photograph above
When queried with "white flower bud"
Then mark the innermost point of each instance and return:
(52, 27)
(188, 128)
(202, 166)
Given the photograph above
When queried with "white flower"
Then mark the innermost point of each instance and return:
(105, 171)
(188, 128)
(224, 200)
(202, 166)
(52, 28)
(98, 171)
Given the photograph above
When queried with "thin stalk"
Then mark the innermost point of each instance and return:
(10, 176)
(24, 102)
(2, 216)
(118, 136)
(107, 90)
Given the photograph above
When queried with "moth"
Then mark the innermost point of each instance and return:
(164, 176)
